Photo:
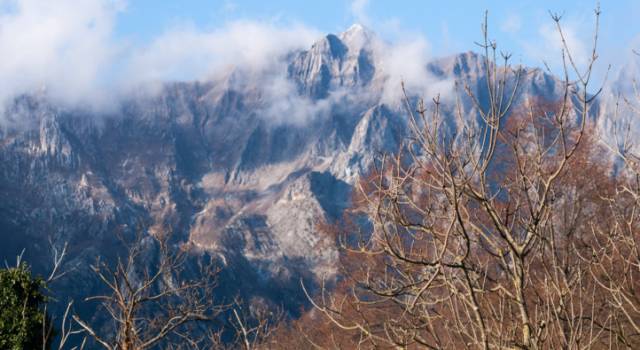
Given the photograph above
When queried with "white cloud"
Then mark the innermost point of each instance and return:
(396, 63)
(189, 54)
(254, 50)
(547, 46)
(64, 46)
(511, 24)
(284, 105)
(574, 37)
(69, 48)
(406, 62)
(403, 59)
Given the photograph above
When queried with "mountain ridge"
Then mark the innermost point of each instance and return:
(199, 160)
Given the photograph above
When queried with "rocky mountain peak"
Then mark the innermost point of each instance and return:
(334, 46)
(335, 61)
(357, 37)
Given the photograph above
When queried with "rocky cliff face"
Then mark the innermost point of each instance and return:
(199, 161)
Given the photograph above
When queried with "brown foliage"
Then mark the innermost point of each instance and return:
(510, 235)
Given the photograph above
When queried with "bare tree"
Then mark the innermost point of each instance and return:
(150, 300)
(614, 257)
(249, 327)
(151, 303)
(477, 237)
(67, 329)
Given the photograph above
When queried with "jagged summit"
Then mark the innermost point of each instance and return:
(335, 61)
(356, 28)
(352, 40)
(357, 37)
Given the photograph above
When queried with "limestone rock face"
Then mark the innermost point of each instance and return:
(199, 161)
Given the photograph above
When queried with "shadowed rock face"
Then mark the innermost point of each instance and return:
(200, 162)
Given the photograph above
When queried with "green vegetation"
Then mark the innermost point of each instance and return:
(23, 320)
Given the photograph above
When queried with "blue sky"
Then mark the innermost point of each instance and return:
(449, 26)
(95, 50)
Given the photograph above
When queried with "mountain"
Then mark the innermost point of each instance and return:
(222, 166)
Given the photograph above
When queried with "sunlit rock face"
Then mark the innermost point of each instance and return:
(205, 163)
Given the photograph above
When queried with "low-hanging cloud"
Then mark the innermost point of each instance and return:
(62, 46)
(396, 63)
(548, 46)
(406, 63)
(185, 53)
(284, 105)
(69, 50)
(402, 61)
